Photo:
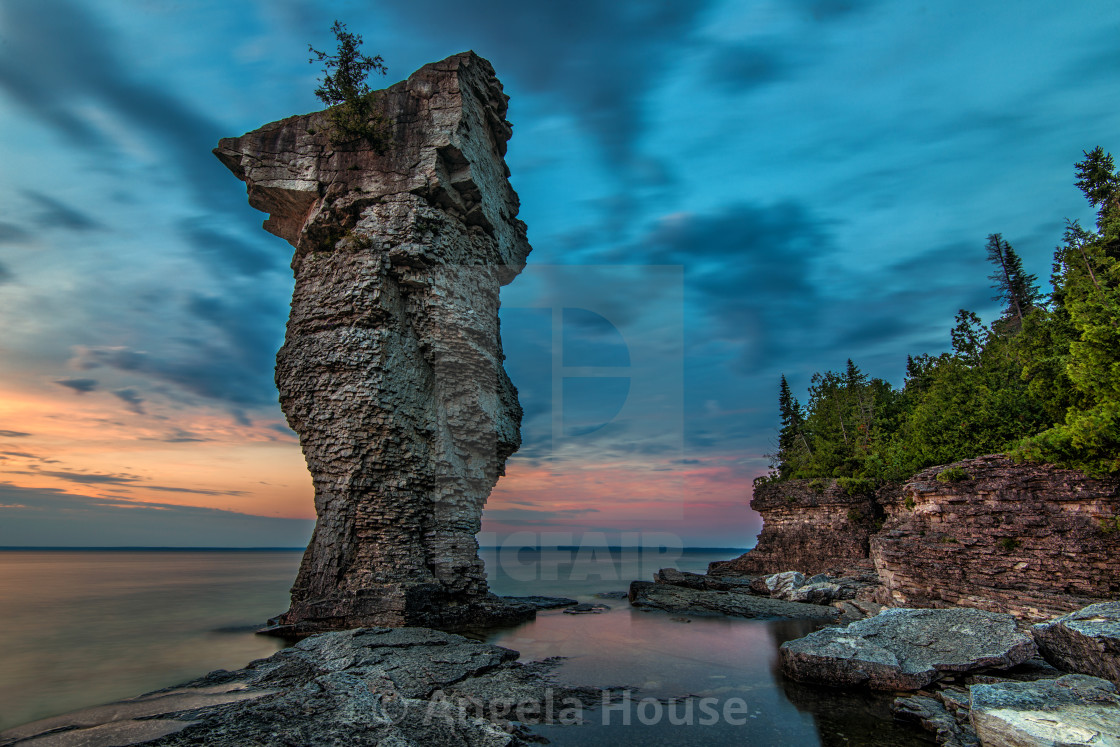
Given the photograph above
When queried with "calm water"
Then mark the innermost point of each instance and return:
(82, 628)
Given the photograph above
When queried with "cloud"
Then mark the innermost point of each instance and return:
(84, 478)
(13, 434)
(192, 491)
(535, 516)
(599, 58)
(81, 386)
(51, 518)
(224, 254)
(56, 214)
(63, 60)
(132, 400)
(5, 274)
(742, 68)
(13, 234)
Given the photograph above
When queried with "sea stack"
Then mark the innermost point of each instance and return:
(391, 370)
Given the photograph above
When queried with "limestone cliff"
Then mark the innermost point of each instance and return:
(1032, 540)
(811, 526)
(391, 370)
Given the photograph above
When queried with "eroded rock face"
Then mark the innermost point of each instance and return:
(391, 371)
(906, 649)
(810, 525)
(1073, 710)
(1030, 539)
(1086, 641)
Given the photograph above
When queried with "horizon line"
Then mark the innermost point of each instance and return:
(175, 548)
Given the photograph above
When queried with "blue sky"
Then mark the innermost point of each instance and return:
(820, 173)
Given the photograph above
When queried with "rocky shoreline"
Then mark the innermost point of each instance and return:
(370, 686)
(971, 674)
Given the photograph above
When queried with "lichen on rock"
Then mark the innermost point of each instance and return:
(391, 370)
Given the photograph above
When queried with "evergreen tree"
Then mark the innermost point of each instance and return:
(792, 445)
(969, 337)
(1017, 289)
(343, 87)
(1088, 271)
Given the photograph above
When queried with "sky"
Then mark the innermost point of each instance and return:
(717, 193)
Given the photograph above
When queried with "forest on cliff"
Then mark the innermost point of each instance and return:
(1041, 382)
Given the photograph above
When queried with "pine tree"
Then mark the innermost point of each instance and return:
(1087, 295)
(793, 448)
(343, 87)
(1017, 289)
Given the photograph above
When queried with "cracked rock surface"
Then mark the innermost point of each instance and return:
(1072, 710)
(378, 686)
(1086, 641)
(391, 370)
(907, 649)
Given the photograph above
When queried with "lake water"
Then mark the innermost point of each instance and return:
(86, 627)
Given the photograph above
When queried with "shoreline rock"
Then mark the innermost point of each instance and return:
(700, 602)
(1086, 641)
(1072, 710)
(365, 687)
(906, 649)
(1029, 539)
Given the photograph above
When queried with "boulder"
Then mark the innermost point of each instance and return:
(792, 586)
(1072, 710)
(782, 584)
(906, 649)
(1086, 641)
(934, 715)
(735, 603)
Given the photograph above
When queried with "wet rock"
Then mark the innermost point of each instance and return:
(391, 370)
(613, 595)
(906, 649)
(673, 577)
(933, 716)
(542, 603)
(586, 609)
(367, 687)
(737, 604)
(1086, 641)
(1074, 710)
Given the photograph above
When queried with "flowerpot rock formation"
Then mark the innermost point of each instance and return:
(391, 370)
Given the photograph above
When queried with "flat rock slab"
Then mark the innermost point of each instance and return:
(673, 577)
(117, 723)
(1086, 641)
(1073, 710)
(587, 609)
(364, 687)
(542, 603)
(906, 649)
(733, 603)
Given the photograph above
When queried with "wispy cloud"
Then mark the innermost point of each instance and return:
(81, 386)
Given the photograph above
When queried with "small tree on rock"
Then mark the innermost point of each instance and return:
(343, 87)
